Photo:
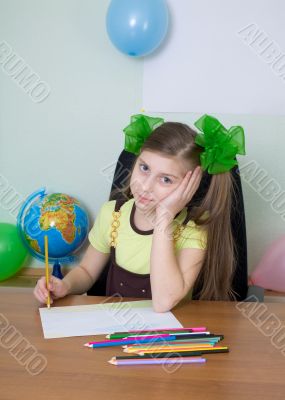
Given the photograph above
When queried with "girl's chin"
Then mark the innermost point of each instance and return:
(141, 204)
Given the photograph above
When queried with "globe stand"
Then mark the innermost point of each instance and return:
(56, 271)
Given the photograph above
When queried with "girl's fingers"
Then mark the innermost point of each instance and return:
(50, 285)
(41, 291)
(53, 283)
(185, 181)
(196, 176)
(42, 283)
(41, 288)
(194, 182)
(40, 296)
(189, 177)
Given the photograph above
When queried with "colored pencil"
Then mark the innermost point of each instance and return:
(176, 354)
(193, 329)
(47, 270)
(177, 336)
(167, 348)
(161, 333)
(106, 343)
(194, 334)
(164, 336)
(185, 360)
(203, 349)
(166, 345)
(118, 335)
(162, 355)
(179, 349)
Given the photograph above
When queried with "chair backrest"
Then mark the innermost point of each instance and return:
(240, 286)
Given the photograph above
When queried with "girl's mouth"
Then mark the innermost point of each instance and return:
(143, 199)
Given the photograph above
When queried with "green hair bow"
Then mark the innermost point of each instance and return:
(139, 130)
(221, 145)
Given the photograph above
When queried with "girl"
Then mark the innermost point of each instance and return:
(161, 239)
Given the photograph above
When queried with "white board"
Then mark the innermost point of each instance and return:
(220, 57)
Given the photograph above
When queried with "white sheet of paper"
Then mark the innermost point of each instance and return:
(104, 318)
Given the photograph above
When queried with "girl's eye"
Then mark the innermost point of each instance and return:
(166, 180)
(143, 167)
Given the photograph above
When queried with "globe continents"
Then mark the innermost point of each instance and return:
(57, 215)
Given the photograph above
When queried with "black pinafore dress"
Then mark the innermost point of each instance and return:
(121, 282)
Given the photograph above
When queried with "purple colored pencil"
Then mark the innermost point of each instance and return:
(148, 361)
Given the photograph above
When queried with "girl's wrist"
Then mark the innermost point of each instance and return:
(163, 217)
(67, 285)
(163, 224)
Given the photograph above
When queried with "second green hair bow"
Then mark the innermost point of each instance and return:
(221, 145)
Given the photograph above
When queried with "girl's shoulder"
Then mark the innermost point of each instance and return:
(192, 235)
(108, 206)
(182, 215)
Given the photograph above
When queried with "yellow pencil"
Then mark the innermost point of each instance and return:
(193, 346)
(162, 349)
(47, 271)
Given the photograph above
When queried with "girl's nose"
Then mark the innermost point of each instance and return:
(147, 185)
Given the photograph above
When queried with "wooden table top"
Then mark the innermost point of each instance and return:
(254, 368)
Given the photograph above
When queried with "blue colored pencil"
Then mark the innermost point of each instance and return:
(107, 343)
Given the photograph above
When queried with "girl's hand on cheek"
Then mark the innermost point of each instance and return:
(177, 200)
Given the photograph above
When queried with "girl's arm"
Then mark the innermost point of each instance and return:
(77, 281)
(171, 276)
(82, 277)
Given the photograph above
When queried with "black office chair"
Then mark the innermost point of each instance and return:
(240, 280)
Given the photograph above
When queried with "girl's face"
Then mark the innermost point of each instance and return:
(154, 177)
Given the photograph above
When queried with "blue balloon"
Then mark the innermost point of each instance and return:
(137, 27)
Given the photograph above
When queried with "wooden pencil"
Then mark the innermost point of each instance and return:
(161, 351)
(47, 270)
(177, 360)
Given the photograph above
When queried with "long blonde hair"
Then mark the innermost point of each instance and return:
(214, 281)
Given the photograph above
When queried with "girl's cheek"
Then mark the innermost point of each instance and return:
(167, 191)
(162, 193)
(135, 184)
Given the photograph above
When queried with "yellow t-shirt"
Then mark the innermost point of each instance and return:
(134, 246)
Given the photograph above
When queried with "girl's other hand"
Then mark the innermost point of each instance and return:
(177, 200)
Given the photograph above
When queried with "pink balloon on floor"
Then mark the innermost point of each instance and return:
(270, 271)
